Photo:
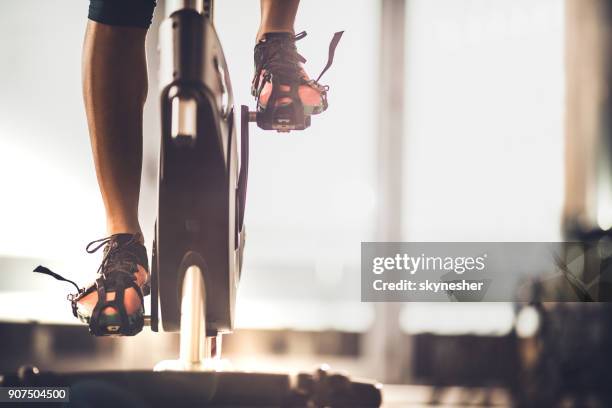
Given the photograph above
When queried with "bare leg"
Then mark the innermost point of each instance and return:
(277, 16)
(114, 90)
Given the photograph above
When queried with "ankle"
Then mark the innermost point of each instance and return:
(115, 229)
(269, 29)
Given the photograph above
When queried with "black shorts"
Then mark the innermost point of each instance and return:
(126, 13)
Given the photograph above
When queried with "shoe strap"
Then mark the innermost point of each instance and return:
(47, 271)
(113, 243)
(332, 50)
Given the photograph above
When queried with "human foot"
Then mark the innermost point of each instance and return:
(280, 78)
(122, 281)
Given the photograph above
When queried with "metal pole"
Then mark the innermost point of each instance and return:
(174, 5)
(387, 347)
(193, 346)
(588, 130)
(588, 134)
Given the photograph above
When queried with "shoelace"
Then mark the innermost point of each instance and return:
(106, 261)
(281, 58)
(284, 61)
(113, 249)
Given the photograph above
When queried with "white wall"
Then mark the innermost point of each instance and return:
(485, 92)
(484, 135)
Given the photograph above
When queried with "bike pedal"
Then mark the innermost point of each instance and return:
(281, 124)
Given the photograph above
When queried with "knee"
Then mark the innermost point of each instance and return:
(127, 13)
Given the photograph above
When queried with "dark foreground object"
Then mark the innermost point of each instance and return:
(136, 389)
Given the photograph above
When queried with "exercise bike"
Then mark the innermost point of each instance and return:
(200, 238)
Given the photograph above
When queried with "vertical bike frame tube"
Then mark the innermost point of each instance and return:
(204, 7)
(197, 211)
(193, 350)
(175, 5)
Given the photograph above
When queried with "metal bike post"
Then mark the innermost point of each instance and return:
(184, 109)
(196, 349)
(174, 5)
(193, 349)
(197, 352)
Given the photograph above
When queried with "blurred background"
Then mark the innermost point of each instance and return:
(449, 120)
